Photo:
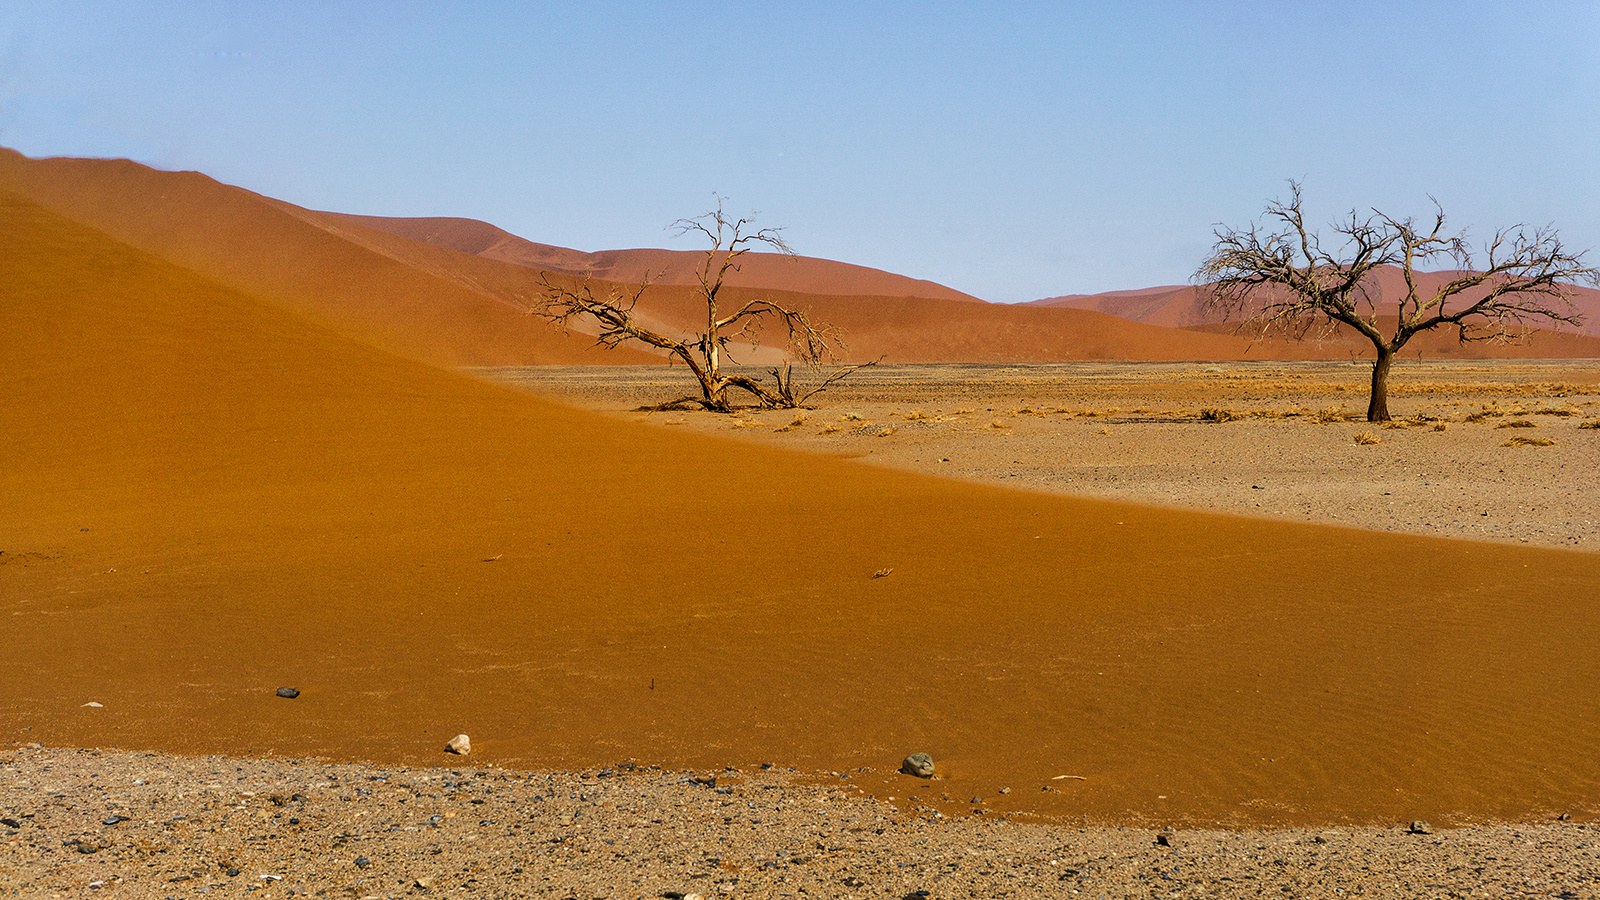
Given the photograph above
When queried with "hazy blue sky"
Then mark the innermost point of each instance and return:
(1043, 149)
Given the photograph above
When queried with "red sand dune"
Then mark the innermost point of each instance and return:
(800, 274)
(207, 497)
(249, 242)
(1180, 306)
(444, 305)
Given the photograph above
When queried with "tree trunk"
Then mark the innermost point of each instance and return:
(1378, 405)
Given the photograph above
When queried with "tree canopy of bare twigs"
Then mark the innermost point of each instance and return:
(1278, 275)
(813, 344)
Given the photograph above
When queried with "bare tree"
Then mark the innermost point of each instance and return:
(811, 343)
(1278, 275)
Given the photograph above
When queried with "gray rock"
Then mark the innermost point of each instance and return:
(1420, 827)
(288, 693)
(918, 764)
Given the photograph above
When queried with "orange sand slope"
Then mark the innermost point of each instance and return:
(246, 241)
(206, 497)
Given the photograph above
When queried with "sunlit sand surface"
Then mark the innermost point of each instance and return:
(208, 497)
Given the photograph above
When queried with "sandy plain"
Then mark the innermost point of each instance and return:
(1139, 432)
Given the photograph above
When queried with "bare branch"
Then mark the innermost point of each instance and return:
(730, 239)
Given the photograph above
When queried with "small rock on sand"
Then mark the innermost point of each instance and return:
(1420, 827)
(918, 764)
(288, 693)
(461, 745)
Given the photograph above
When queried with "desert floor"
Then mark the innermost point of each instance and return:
(1136, 432)
(207, 497)
(92, 823)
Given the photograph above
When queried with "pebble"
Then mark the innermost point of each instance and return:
(93, 704)
(288, 693)
(1420, 827)
(461, 745)
(918, 764)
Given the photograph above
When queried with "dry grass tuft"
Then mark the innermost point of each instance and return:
(1218, 414)
(1589, 423)
(830, 429)
(1367, 438)
(798, 422)
(886, 430)
(916, 415)
(1520, 441)
(998, 425)
(1516, 423)
(1331, 414)
(1440, 426)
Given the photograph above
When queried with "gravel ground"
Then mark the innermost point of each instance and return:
(80, 823)
(1136, 432)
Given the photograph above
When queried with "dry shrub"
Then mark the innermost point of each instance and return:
(851, 417)
(830, 429)
(1218, 414)
(1554, 411)
(916, 415)
(1331, 414)
(1367, 438)
(1026, 411)
(1520, 441)
(1589, 423)
(1516, 423)
(1440, 426)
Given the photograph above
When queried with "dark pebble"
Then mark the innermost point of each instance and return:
(232, 872)
(10, 823)
(112, 820)
(362, 862)
(288, 693)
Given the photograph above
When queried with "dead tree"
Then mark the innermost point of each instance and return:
(704, 353)
(1277, 275)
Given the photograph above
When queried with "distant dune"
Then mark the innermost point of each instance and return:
(459, 292)
(799, 274)
(1180, 306)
